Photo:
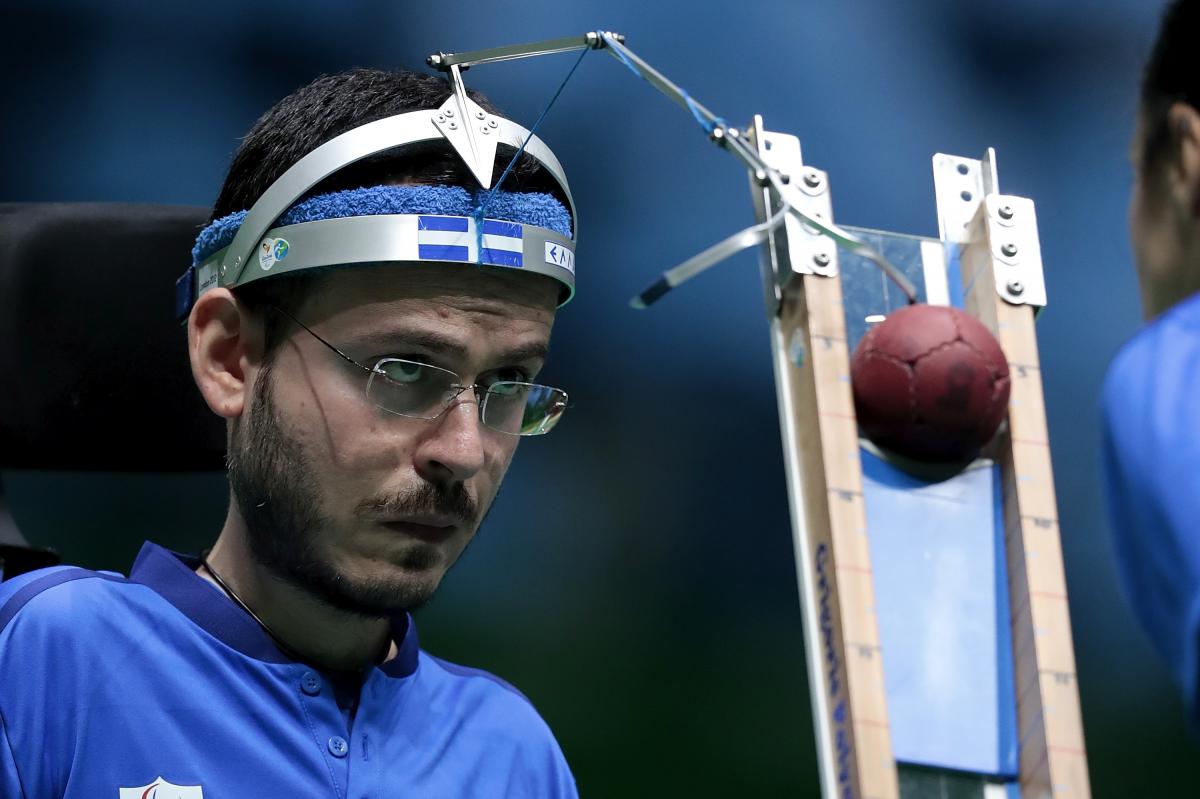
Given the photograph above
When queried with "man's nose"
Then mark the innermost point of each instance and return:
(452, 448)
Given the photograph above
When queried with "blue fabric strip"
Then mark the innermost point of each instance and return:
(500, 257)
(443, 252)
(494, 227)
(46, 582)
(456, 224)
(526, 208)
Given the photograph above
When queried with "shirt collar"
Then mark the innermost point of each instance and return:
(173, 577)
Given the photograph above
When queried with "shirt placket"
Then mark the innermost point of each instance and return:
(329, 725)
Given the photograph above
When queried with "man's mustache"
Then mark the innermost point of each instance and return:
(427, 500)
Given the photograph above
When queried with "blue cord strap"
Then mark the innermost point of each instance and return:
(483, 206)
(707, 126)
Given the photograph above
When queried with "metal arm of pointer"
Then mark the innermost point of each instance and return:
(723, 135)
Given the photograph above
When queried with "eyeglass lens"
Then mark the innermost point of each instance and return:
(410, 388)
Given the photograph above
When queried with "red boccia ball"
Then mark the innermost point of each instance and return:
(930, 383)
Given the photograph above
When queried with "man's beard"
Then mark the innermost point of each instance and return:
(276, 491)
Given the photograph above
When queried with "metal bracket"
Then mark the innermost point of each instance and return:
(970, 210)
(1012, 236)
(469, 129)
(795, 248)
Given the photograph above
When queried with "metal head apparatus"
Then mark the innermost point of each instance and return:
(266, 244)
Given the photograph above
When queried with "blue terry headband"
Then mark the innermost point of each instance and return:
(528, 208)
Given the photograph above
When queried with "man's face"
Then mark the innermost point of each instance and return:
(1163, 211)
(365, 509)
(1151, 223)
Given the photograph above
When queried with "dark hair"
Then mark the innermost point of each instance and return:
(322, 110)
(1172, 75)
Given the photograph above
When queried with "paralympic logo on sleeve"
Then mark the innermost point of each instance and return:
(161, 789)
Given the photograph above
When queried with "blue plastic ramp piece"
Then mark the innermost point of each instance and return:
(937, 554)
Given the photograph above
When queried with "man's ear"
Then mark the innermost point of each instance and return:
(225, 346)
(1184, 123)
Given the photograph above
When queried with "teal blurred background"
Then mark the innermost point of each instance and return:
(636, 577)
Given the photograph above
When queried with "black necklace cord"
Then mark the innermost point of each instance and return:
(284, 648)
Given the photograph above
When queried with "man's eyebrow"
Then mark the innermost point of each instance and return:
(441, 345)
(528, 352)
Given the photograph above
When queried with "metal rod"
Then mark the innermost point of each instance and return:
(732, 141)
(662, 83)
(592, 39)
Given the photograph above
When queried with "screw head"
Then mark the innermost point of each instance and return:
(1016, 287)
(449, 112)
(453, 126)
(760, 177)
(821, 259)
(484, 129)
(812, 179)
(1009, 250)
(1005, 212)
(441, 118)
(493, 123)
(717, 134)
(480, 115)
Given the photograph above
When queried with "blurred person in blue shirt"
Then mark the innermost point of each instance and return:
(1151, 396)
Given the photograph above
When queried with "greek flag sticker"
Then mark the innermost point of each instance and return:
(452, 238)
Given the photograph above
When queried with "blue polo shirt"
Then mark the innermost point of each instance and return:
(158, 680)
(1151, 425)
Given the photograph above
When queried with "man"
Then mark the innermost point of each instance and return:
(1151, 399)
(374, 395)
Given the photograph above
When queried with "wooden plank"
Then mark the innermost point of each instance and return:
(1053, 760)
(826, 444)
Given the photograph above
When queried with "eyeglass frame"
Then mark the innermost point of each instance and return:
(480, 390)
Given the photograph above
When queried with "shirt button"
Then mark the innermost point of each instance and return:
(338, 746)
(310, 683)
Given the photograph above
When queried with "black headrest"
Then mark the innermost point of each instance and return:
(94, 371)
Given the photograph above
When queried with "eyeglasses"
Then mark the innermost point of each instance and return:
(423, 391)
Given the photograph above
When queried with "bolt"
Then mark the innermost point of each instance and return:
(434, 60)
(480, 115)
(441, 118)
(760, 177)
(1016, 287)
(1009, 250)
(453, 126)
(821, 259)
(1006, 212)
(812, 179)
(237, 261)
(449, 112)
(963, 169)
(734, 133)
(717, 135)
(966, 195)
(493, 123)
(485, 130)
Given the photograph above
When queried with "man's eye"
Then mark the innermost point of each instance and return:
(510, 375)
(403, 371)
